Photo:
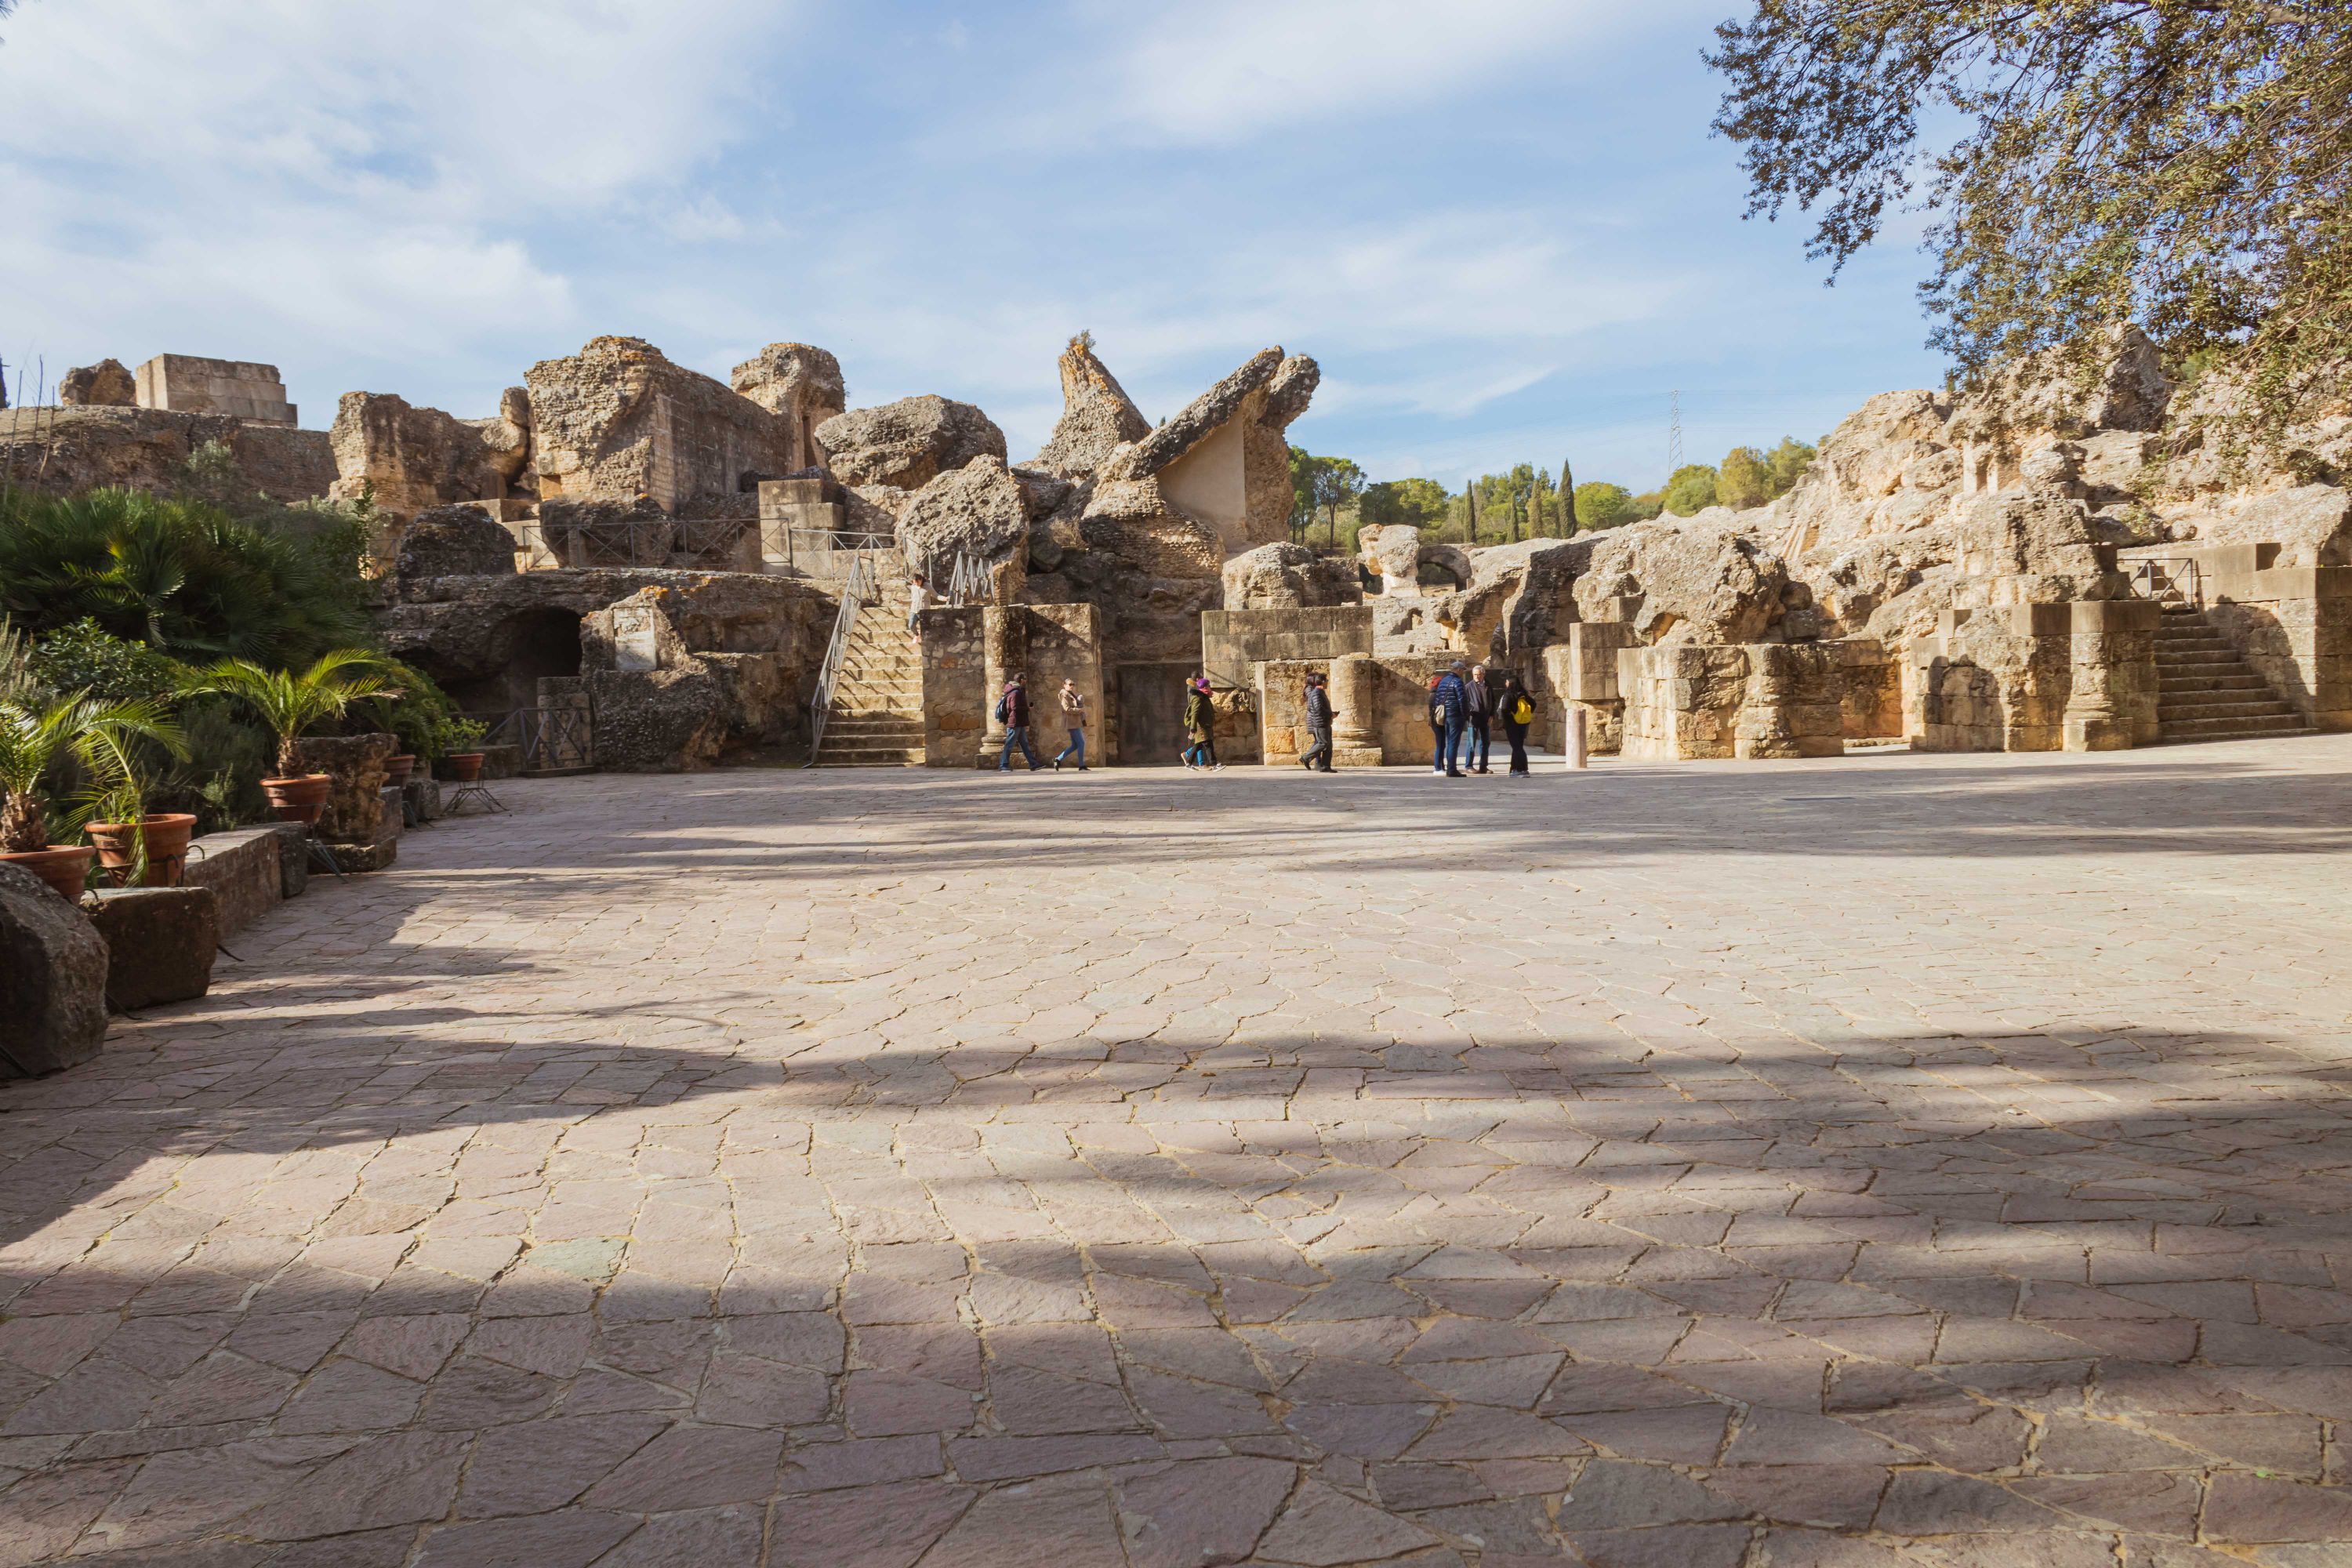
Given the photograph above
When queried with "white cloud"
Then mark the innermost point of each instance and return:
(1220, 71)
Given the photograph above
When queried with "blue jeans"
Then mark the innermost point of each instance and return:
(1012, 733)
(1078, 744)
(1453, 747)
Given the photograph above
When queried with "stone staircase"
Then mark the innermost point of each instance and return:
(876, 717)
(2206, 691)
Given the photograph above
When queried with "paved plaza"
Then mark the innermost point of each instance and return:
(1900, 1160)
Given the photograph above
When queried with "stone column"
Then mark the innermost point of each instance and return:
(1355, 690)
(2114, 672)
(1003, 652)
(1576, 748)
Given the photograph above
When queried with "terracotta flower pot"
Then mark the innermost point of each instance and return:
(167, 835)
(396, 769)
(64, 867)
(299, 798)
(465, 767)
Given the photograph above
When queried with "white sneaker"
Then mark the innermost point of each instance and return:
(1216, 767)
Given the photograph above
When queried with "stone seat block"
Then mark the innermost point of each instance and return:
(244, 868)
(160, 942)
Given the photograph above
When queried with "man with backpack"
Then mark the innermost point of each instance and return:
(1317, 756)
(1449, 706)
(1480, 713)
(1013, 712)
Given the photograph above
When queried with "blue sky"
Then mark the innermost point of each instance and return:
(1499, 224)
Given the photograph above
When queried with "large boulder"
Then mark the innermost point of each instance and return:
(106, 385)
(1258, 401)
(910, 443)
(1693, 579)
(52, 979)
(1391, 552)
(2116, 381)
(977, 510)
(1887, 466)
(455, 542)
(800, 382)
(1097, 416)
(1287, 576)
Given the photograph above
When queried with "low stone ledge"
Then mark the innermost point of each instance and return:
(161, 943)
(245, 869)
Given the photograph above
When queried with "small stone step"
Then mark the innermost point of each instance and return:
(2226, 729)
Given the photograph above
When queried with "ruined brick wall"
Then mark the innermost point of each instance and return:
(87, 446)
(956, 698)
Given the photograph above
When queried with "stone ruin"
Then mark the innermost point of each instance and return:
(2054, 561)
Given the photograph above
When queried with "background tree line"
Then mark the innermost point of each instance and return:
(1331, 499)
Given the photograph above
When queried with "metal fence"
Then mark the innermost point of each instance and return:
(2175, 581)
(550, 738)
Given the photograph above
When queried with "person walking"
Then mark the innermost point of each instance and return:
(1452, 706)
(1479, 710)
(1200, 729)
(1074, 718)
(918, 598)
(1013, 712)
(1317, 755)
(1518, 710)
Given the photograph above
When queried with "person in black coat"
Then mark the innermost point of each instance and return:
(1518, 712)
(1318, 726)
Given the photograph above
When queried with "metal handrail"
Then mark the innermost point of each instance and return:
(544, 736)
(967, 581)
(855, 591)
(2169, 577)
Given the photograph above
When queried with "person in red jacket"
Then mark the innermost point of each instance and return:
(1013, 711)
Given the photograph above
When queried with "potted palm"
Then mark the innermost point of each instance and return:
(290, 703)
(98, 734)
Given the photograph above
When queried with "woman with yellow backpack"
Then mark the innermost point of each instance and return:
(1518, 710)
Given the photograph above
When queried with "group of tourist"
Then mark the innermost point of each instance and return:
(1464, 708)
(1013, 712)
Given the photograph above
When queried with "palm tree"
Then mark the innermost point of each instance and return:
(290, 703)
(94, 731)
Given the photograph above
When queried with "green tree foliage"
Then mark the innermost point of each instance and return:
(1321, 485)
(1691, 490)
(1743, 479)
(1599, 504)
(2184, 164)
(290, 701)
(183, 576)
(1421, 503)
(1785, 465)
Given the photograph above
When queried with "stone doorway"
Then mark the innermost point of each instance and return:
(1152, 714)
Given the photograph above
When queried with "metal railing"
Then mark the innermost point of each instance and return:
(856, 590)
(967, 581)
(2170, 581)
(801, 550)
(547, 737)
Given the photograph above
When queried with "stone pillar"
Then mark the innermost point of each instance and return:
(1005, 650)
(1355, 690)
(2112, 644)
(1577, 720)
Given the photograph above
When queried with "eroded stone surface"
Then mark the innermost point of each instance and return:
(846, 1168)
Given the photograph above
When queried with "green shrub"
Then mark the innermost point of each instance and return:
(86, 657)
(183, 576)
(421, 718)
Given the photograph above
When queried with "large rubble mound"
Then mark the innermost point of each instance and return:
(619, 420)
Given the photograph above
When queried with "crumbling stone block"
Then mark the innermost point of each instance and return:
(243, 868)
(161, 943)
(106, 385)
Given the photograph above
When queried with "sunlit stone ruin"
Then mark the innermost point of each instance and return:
(669, 571)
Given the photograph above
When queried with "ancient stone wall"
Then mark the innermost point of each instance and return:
(188, 384)
(618, 420)
(2292, 624)
(956, 698)
(2035, 678)
(1685, 701)
(61, 450)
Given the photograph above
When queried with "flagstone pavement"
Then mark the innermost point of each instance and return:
(1900, 1160)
